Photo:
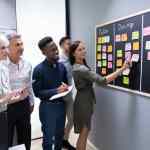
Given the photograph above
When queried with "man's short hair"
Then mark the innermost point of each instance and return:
(44, 41)
(13, 36)
(63, 39)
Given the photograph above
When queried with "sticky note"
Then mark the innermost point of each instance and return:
(103, 40)
(98, 48)
(135, 35)
(107, 39)
(110, 57)
(135, 58)
(127, 46)
(104, 63)
(127, 56)
(146, 31)
(148, 55)
(104, 48)
(99, 63)
(119, 63)
(98, 56)
(109, 50)
(118, 38)
(124, 37)
(104, 56)
(136, 45)
(103, 71)
(126, 80)
(147, 45)
(99, 41)
(126, 72)
(119, 53)
(110, 65)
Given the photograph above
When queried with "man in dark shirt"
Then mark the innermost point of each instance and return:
(50, 78)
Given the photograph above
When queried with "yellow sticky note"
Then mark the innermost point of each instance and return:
(99, 40)
(124, 37)
(109, 50)
(103, 40)
(136, 46)
(98, 56)
(126, 80)
(98, 48)
(103, 71)
(119, 53)
(119, 63)
(135, 35)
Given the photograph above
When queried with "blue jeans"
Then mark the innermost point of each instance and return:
(52, 117)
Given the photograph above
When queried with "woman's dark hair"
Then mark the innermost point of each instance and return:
(73, 48)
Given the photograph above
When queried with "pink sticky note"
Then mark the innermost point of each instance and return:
(148, 55)
(109, 65)
(118, 38)
(109, 57)
(104, 48)
(146, 31)
(128, 47)
(127, 56)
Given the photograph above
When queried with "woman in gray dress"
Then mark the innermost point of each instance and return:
(85, 98)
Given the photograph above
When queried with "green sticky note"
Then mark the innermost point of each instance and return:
(126, 80)
(135, 35)
(119, 53)
(98, 48)
(104, 63)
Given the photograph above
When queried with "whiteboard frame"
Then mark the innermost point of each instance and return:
(113, 21)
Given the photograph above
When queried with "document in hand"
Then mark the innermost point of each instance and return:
(62, 94)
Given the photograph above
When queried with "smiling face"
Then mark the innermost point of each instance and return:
(3, 48)
(51, 52)
(80, 52)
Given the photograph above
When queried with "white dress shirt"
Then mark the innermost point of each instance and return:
(20, 76)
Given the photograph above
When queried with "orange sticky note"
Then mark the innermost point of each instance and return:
(118, 38)
(109, 50)
(119, 63)
(124, 37)
(136, 46)
(103, 71)
(98, 56)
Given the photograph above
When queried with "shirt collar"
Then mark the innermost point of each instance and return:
(52, 65)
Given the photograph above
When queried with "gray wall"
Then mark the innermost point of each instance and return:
(121, 120)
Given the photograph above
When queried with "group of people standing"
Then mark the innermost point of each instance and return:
(19, 85)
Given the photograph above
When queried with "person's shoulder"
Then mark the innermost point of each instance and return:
(39, 67)
(26, 62)
(80, 68)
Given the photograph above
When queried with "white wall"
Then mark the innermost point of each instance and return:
(36, 19)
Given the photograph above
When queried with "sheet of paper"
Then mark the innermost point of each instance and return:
(128, 47)
(103, 71)
(136, 45)
(104, 48)
(148, 55)
(147, 45)
(110, 65)
(126, 72)
(135, 35)
(119, 62)
(109, 50)
(126, 80)
(62, 94)
(118, 38)
(124, 37)
(18, 147)
(107, 39)
(135, 58)
(104, 63)
(104, 56)
(146, 31)
(110, 57)
(119, 53)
